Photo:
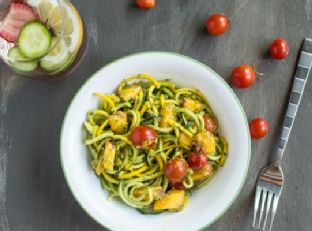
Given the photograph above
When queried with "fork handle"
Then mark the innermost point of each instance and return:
(300, 79)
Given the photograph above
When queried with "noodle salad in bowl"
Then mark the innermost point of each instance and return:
(152, 143)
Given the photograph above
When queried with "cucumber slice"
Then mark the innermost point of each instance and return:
(17, 61)
(57, 58)
(34, 40)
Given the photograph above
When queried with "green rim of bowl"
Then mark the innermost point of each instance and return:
(190, 59)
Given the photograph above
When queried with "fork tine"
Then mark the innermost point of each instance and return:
(256, 206)
(274, 206)
(264, 197)
(268, 206)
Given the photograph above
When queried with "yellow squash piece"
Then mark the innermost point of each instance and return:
(184, 140)
(202, 173)
(109, 156)
(157, 192)
(173, 200)
(118, 122)
(167, 112)
(193, 105)
(130, 92)
(99, 167)
(206, 142)
(133, 173)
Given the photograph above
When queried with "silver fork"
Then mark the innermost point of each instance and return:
(271, 178)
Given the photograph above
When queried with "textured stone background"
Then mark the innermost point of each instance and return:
(33, 192)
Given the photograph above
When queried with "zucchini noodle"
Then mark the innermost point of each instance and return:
(136, 175)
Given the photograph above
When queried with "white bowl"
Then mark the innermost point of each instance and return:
(206, 204)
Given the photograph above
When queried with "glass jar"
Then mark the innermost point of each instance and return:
(41, 38)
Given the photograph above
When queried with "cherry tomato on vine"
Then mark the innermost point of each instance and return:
(175, 170)
(217, 24)
(258, 128)
(279, 48)
(210, 123)
(243, 76)
(197, 160)
(144, 137)
(146, 4)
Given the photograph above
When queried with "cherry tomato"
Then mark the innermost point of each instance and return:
(178, 185)
(217, 24)
(210, 123)
(175, 170)
(243, 76)
(279, 48)
(144, 137)
(146, 4)
(258, 128)
(197, 160)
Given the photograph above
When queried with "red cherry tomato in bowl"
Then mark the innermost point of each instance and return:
(258, 128)
(210, 123)
(144, 137)
(279, 48)
(146, 4)
(178, 185)
(175, 170)
(243, 76)
(217, 24)
(197, 160)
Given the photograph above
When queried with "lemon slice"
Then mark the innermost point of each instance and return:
(57, 58)
(64, 16)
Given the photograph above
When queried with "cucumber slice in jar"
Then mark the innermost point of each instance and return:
(34, 40)
(57, 58)
(19, 62)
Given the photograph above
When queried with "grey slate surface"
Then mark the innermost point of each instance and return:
(33, 192)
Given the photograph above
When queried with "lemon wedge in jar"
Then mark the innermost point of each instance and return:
(65, 22)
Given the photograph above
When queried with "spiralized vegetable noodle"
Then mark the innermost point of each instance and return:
(136, 175)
